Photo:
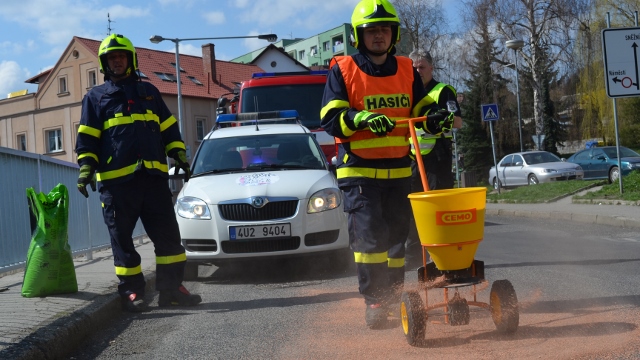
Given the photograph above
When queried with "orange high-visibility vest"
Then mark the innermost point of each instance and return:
(389, 95)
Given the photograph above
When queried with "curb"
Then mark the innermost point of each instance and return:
(55, 339)
(581, 218)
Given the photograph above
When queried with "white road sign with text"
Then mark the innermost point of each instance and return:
(621, 55)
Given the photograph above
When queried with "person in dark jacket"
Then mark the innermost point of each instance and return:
(126, 133)
(364, 95)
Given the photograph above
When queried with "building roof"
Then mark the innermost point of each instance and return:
(279, 49)
(151, 62)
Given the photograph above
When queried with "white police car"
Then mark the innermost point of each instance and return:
(260, 187)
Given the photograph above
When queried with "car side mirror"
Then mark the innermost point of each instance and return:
(601, 157)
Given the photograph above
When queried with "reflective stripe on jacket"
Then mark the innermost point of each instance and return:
(391, 96)
(121, 132)
(426, 141)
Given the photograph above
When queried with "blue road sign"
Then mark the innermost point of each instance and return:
(489, 112)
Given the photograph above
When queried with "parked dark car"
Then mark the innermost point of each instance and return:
(602, 162)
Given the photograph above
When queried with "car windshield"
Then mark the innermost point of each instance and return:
(258, 152)
(305, 98)
(624, 152)
(540, 157)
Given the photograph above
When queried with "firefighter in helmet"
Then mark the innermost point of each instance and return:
(126, 133)
(364, 95)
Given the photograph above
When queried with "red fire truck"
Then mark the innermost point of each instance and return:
(301, 91)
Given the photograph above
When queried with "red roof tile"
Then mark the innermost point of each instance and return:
(154, 61)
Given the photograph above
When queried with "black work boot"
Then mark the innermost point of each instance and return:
(178, 297)
(375, 316)
(134, 303)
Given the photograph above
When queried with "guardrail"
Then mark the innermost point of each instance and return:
(22, 170)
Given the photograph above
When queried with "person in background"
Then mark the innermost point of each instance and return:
(435, 147)
(364, 95)
(126, 133)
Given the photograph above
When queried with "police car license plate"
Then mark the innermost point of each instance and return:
(259, 231)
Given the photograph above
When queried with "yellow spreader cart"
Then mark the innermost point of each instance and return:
(450, 225)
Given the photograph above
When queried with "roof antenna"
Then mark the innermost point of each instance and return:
(109, 21)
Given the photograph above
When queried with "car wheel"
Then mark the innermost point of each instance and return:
(503, 304)
(614, 173)
(190, 271)
(533, 180)
(413, 317)
(496, 183)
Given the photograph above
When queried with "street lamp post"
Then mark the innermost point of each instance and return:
(157, 38)
(517, 45)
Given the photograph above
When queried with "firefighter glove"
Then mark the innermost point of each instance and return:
(438, 121)
(181, 162)
(379, 124)
(87, 177)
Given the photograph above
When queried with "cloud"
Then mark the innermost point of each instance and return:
(13, 78)
(302, 14)
(214, 17)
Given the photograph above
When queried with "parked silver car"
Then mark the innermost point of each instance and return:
(532, 167)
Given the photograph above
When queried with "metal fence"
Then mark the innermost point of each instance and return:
(21, 170)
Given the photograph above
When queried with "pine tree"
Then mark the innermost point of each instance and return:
(474, 136)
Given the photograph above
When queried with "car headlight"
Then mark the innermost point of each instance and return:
(627, 166)
(578, 167)
(324, 200)
(193, 208)
(549, 171)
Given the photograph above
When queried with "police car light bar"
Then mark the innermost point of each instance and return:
(281, 115)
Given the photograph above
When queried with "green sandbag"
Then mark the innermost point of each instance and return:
(49, 268)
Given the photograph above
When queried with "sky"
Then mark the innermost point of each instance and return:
(34, 33)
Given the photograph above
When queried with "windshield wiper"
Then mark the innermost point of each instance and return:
(217, 171)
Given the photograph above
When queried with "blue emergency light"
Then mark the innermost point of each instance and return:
(257, 116)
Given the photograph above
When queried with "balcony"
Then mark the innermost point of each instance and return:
(338, 48)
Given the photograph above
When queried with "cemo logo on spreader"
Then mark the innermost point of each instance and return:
(458, 217)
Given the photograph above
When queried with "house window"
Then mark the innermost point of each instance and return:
(200, 128)
(92, 78)
(301, 55)
(62, 85)
(326, 46)
(326, 61)
(174, 65)
(54, 140)
(141, 74)
(166, 77)
(194, 80)
(21, 142)
(292, 54)
(313, 51)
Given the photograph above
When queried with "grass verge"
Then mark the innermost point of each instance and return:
(540, 193)
(630, 189)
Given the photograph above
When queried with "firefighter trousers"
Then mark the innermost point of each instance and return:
(378, 222)
(148, 198)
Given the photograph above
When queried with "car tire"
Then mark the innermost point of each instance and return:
(532, 180)
(496, 184)
(614, 174)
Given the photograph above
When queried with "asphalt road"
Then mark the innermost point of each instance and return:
(577, 287)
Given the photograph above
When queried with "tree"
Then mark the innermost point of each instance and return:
(546, 27)
(474, 135)
(424, 24)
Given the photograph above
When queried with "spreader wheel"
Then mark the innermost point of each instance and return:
(413, 316)
(458, 312)
(504, 306)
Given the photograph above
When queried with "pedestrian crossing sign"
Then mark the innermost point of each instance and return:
(489, 112)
